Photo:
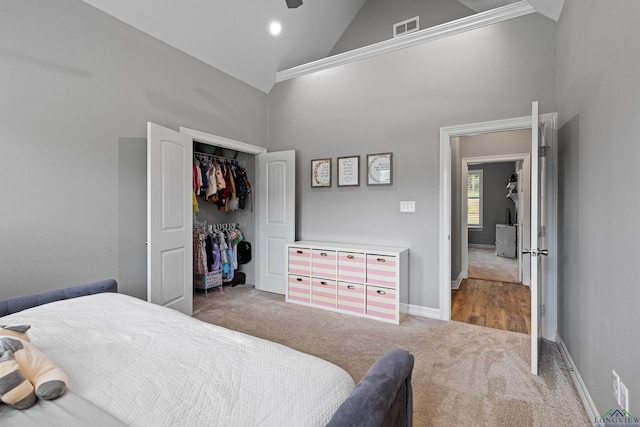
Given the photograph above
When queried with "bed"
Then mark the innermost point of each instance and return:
(133, 363)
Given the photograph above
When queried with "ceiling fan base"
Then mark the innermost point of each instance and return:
(292, 4)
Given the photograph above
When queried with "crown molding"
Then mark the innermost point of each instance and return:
(490, 17)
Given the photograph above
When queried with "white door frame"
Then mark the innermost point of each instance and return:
(261, 259)
(446, 133)
(244, 147)
(221, 141)
(523, 223)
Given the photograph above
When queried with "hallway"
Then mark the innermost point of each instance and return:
(492, 295)
(498, 305)
(484, 264)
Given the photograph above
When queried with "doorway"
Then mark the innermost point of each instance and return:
(494, 208)
(492, 186)
(450, 235)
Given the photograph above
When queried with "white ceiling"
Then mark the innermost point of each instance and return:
(483, 5)
(233, 35)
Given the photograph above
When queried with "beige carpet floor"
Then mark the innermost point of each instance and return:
(464, 375)
(485, 264)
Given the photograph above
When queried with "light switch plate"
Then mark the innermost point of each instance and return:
(616, 386)
(624, 396)
(409, 206)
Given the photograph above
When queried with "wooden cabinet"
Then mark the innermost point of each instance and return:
(368, 281)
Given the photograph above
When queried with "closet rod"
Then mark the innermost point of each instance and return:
(197, 153)
(221, 226)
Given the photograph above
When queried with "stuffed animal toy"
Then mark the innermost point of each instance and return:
(25, 372)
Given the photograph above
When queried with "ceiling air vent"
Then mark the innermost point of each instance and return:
(406, 27)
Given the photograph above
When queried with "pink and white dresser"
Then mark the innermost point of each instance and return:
(367, 281)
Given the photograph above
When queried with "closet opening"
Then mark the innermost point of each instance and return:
(224, 230)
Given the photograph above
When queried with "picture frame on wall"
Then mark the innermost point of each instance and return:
(349, 171)
(321, 173)
(380, 169)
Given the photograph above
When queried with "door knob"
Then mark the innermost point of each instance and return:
(536, 252)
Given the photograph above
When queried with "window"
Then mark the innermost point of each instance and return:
(474, 199)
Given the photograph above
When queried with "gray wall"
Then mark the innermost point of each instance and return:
(599, 106)
(398, 102)
(374, 22)
(495, 177)
(77, 90)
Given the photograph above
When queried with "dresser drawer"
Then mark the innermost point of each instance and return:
(351, 297)
(323, 292)
(354, 279)
(323, 263)
(382, 270)
(351, 267)
(299, 288)
(300, 261)
(381, 302)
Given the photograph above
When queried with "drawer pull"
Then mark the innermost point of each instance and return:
(381, 292)
(381, 260)
(351, 287)
(299, 252)
(323, 283)
(299, 279)
(323, 254)
(350, 257)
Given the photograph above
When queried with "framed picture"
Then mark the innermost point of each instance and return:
(321, 173)
(379, 169)
(349, 171)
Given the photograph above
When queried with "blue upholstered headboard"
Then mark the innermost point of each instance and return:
(16, 304)
(383, 398)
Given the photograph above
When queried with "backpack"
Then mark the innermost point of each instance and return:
(244, 252)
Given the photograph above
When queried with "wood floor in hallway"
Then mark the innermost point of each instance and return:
(498, 305)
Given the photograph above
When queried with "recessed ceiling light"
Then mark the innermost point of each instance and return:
(275, 27)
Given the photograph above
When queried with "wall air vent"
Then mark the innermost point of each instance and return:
(406, 27)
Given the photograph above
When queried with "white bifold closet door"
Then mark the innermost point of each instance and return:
(169, 219)
(276, 220)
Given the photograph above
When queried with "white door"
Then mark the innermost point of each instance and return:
(538, 244)
(276, 213)
(169, 219)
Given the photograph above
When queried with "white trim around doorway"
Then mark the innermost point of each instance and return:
(446, 133)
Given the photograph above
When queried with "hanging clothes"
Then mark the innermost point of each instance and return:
(204, 182)
(211, 190)
(199, 252)
(242, 187)
(228, 200)
(194, 202)
(224, 183)
(196, 176)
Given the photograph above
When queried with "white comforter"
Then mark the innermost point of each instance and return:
(151, 366)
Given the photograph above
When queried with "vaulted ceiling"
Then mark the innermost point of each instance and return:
(233, 35)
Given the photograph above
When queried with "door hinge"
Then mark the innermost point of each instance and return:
(543, 310)
(543, 150)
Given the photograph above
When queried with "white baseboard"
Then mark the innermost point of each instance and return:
(455, 284)
(418, 310)
(583, 392)
(481, 246)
